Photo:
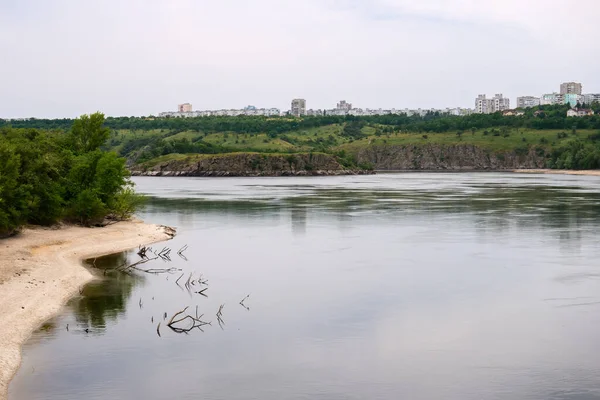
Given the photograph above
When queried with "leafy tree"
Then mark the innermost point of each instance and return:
(89, 133)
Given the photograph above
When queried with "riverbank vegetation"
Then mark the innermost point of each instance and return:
(50, 176)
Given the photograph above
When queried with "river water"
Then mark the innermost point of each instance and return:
(393, 286)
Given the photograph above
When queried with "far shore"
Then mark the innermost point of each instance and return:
(590, 172)
(41, 268)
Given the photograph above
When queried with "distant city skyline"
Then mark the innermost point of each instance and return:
(569, 93)
(64, 58)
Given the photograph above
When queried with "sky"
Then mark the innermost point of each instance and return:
(64, 58)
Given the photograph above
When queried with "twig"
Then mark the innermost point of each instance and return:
(242, 303)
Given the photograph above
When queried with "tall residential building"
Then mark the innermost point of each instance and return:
(185, 107)
(342, 105)
(527, 101)
(570, 88)
(298, 107)
(497, 103)
(500, 103)
(481, 104)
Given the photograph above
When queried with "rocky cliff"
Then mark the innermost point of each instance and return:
(449, 157)
(247, 164)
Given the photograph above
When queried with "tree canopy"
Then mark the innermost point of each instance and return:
(46, 177)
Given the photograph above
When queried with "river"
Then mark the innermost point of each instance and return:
(392, 286)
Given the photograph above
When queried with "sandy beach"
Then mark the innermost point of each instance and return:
(590, 172)
(41, 268)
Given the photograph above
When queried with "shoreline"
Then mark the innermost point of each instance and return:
(250, 174)
(41, 268)
(586, 172)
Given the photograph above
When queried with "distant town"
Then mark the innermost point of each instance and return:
(569, 93)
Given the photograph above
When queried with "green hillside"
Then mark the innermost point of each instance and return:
(565, 142)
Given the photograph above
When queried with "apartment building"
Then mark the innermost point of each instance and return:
(528, 101)
(298, 107)
(591, 98)
(483, 105)
(343, 105)
(571, 88)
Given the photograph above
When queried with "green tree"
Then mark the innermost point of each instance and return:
(88, 133)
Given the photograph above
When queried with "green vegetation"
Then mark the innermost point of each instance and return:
(545, 130)
(46, 177)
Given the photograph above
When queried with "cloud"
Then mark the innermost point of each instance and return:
(140, 57)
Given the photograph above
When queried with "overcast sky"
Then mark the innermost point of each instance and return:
(63, 58)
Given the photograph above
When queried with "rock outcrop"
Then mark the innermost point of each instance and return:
(431, 157)
(248, 164)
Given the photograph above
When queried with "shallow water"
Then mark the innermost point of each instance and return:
(416, 286)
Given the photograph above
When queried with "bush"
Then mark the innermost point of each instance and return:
(125, 203)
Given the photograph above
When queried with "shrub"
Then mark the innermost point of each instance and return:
(125, 203)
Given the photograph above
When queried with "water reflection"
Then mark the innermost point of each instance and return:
(560, 212)
(105, 299)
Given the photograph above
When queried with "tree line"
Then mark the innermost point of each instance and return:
(49, 176)
(542, 117)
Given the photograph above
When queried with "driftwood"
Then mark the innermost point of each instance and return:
(181, 322)
(135, 266)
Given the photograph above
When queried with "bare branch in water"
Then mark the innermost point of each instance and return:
(242, 303)
(181, 322)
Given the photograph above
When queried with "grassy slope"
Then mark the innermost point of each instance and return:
(329, 138)
(516, 139)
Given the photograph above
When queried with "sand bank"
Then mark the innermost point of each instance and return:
(591, 172)
(40, 269)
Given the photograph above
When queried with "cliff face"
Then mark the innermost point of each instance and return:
(448, 157)
(249, 164)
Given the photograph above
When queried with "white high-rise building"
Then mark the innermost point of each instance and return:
(343, 105)
(298, 107)
(500, 103)
(481, 104)
(527, 101)
(497, 103)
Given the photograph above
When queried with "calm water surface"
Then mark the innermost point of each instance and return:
(399, 286)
